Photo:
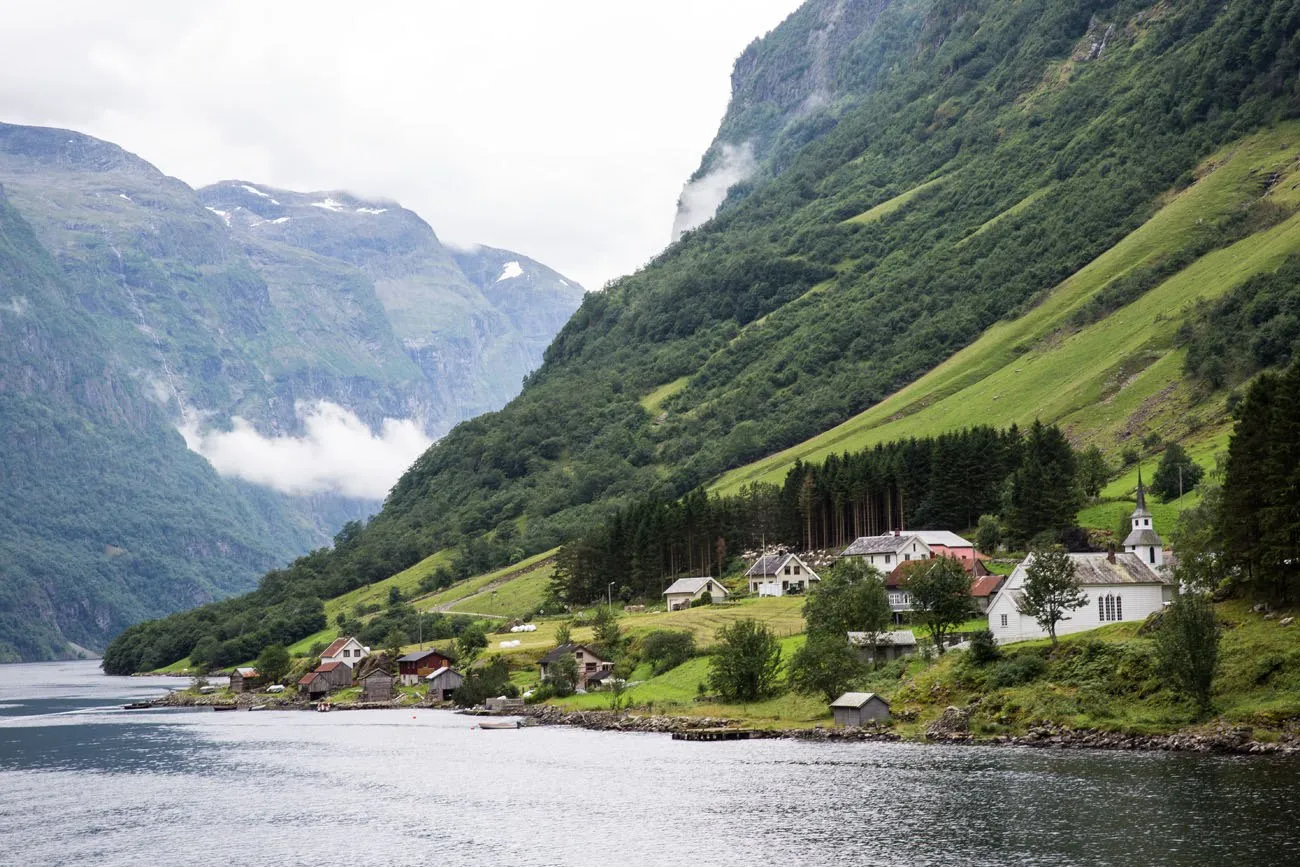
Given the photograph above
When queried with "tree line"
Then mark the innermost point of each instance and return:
(944, 482)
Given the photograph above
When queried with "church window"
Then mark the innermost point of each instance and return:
(1101, 609)
(1004, 621)
(1119, 608)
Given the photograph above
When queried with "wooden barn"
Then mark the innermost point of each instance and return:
(856, 708)
(443, 683)
(377, 686)
(244, 680)
(314, 685)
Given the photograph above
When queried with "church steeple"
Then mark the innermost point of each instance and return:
(1143, 540)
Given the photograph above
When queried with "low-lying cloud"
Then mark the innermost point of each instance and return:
(701, 197)
(337, 452)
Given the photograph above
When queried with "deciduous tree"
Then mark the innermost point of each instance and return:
(1051, 589)
(940, 590)
(746, 664)
(1187, 646)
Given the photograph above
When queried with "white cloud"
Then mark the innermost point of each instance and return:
(337, 452)
(610, 105)
(701, 197)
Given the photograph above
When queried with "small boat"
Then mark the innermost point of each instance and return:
(499, 725)
(322, 707)
(137, 705)
(259, 707)
(224, 707)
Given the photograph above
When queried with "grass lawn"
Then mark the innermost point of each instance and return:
(444, 599)
(516, 597)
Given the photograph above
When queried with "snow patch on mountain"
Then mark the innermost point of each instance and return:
(510, 271)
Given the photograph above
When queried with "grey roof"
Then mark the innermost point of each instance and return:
(772, 565)
(447, 673)
(565, 649)
(1094, 569)
(1143, 536)
(692, 585)
(417, 655)
(857, 699)
(878, 545)
(897, 638)
(769, 565)
(942, 537)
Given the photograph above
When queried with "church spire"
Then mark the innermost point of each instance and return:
(1141, 511)
(1144, 541)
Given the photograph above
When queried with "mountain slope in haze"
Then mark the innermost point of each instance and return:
(961, 162)
(145, 307)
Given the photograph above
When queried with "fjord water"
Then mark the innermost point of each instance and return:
(82, 783)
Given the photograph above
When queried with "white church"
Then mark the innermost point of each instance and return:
(1119, 586)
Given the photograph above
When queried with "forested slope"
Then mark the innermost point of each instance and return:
(945, 167)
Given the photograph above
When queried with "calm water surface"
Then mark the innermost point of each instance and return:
(81, 783)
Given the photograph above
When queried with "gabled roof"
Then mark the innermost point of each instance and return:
(1127, 569)
(985, 586)
(337, 645)
(693, 586)
(377, 671)
(1143, 536)
(942, 537)
(418, 655)
(326, 667)
(567, 650)
(890, 544)
(769, 565)
(246, 672)
(857, 699)
(442, 672)
(897, 638)
(307, 678)
(773, 564)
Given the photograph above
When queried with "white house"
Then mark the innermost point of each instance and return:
(684, 591)
(1118, 586)
(345, 650)
(886, 552)
(1143, 539)
(779, 574)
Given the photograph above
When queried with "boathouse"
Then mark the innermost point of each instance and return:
(856, 708)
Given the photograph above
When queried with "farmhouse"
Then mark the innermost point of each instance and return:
(244, 680)
(346, 650)
(684, 591)
(443, 683)
(945, 544)
(886, 552)
(886, 646)
(589, 662)
(779, 574)
(856, 708)
(418, 664)
(1118, 586)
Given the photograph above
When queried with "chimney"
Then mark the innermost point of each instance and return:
(898, 533)
(1110, 552)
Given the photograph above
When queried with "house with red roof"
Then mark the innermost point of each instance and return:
(347, 650)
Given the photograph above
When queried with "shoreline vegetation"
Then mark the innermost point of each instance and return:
(1094, 690)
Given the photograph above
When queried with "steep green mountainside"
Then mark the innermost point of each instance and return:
(146, 307)
(924, 171)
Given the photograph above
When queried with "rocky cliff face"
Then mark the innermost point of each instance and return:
(132, 305)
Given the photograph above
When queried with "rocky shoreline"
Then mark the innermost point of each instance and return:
(949, 729)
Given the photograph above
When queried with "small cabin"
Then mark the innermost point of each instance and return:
(587, 660)
(314, 685)
(245, 680)
(858, 708)
(684, 591)
(443, 684)
(377, 686)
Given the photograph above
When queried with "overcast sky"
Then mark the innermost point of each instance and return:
(563, 130)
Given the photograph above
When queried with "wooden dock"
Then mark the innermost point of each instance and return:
(715, 735)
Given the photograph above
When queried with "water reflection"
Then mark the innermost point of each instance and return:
(420, 787)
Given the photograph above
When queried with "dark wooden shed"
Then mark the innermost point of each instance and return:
(377, 686)
(856, 708)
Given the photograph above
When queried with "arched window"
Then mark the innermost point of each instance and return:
(1101, 609)
(1119, 608)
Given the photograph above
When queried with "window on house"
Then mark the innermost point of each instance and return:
(1101, 608)
(787, 570)
(1152, 552)
(1119, 608)
(907, 556)
(591, 666)
(886, 558)
(796, 570)
(1004, 621)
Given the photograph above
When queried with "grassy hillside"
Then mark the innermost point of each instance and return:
(1111, 382)
(1043, 188)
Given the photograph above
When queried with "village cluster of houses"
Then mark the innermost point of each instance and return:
(346, 662)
